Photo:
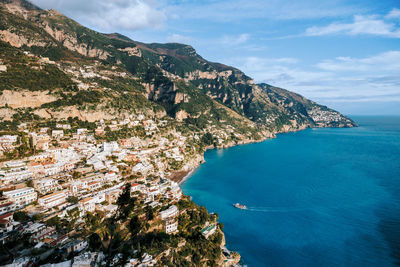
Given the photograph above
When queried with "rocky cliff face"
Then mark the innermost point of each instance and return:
(172, 77)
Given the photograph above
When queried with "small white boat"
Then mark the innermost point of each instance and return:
(240, 206)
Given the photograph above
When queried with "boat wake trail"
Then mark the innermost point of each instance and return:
(276, 209)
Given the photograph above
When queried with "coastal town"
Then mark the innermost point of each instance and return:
(98, 132)
(65, 187)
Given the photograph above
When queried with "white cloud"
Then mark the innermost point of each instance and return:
(394, 13)
(110, 15)
(343, 79)
(177, 38)
(370, 25)
(235, 40)
(387, 61)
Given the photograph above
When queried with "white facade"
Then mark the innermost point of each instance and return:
(7, 207)
(81, 131)
(15, 175)
(8, 139)
(109, 147)
(46, 185)
(21, 197)
(57, 133)
(171, 226)
(169, 213)
(53, 199)
(87, 205)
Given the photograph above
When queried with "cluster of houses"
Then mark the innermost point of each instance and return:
(7, 143)
(80, 174)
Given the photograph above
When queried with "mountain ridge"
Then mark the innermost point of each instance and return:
(172, 76)
(146, 112)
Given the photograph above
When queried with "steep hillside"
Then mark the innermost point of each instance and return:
(88, 108)
(93, 75)
(234, 89)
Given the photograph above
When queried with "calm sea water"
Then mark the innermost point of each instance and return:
(319, 197)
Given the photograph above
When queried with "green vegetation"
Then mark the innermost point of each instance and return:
(72, 199)
(21, 216)
(78, 99)
(26, 73)
(128, 231)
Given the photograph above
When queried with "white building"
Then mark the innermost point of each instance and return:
(6, 223)
(7, 207)
(51, 168)
(45, 186)
(63, 126)
(79, 187)
(81, 131)
(109, 147)
(175, 192)
(171, 212)
(171, 226)
(9, 138)
(138, 188)
(57, 133)
(15, 175)
(87, 205)
(53, 199)
(21, 197)
(39, 231)
(15, 164)
(209, 230)
(86, 259)
(44, 130)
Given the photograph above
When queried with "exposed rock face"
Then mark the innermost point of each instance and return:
(180, 97)
(25, 98)
(165, 93)
(71, 43)
(132, 51)
(15, 7)
(6, 113)
(201, 75)
(181, 115)
(207, 74)
(18, 40)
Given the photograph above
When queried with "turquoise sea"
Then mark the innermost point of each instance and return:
(318, 197)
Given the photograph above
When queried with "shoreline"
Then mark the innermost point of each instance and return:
(188, 175)
(183, 175)
(191, 171)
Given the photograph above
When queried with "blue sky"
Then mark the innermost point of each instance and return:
(345, 54)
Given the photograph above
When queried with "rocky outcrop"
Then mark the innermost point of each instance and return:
(71, 42)
(180, 97)
(25, 98)
(210, 75)
(181, 115)
(132, 51)
(6, 114)
(19, 40)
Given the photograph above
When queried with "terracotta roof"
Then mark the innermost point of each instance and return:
(86, 199)
(6, 215)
